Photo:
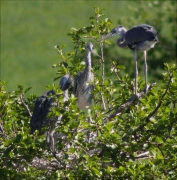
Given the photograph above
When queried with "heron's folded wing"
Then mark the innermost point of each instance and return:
(140, 33)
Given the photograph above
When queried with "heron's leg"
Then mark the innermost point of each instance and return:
(145, 71)
(136, 71)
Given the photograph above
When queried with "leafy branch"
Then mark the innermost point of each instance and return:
(147, 120)
(26, 106)
(119, 110)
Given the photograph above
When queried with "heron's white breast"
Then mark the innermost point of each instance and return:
(146, 45)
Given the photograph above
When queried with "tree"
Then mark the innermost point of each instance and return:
(126, 138)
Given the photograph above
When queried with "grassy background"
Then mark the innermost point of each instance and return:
(31, 29)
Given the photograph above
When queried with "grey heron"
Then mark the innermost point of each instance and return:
(139, 38)
(82, 86)
(44, 104)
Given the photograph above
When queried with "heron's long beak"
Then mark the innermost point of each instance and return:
(108, 36)
(118, 30)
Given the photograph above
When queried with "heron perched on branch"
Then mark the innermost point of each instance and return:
(44, 104)
(139, 38)
(82, 86)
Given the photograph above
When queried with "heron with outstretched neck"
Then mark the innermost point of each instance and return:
(82, 85)
(139, 38)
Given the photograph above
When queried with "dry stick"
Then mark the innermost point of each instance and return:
(26, 106)
(145, 154)
(128, 103)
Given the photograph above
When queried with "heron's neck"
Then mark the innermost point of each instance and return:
(121, 41)
(88, 61)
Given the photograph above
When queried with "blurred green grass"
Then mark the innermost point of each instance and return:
(31, 29)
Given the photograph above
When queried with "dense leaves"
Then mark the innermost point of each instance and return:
(119, 137)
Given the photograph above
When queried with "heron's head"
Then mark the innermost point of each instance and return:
(118, 30)
(65, 82)
(90, 46)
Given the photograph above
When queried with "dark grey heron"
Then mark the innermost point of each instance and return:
(139, 38)
(82, 86)
(44, 104)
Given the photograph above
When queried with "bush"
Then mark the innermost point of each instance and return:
(126, 138)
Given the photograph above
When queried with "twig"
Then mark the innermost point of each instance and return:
(128, 103)
(145, 154)
(103, 70)
(2, 131)
(26, 106)
(168, 170)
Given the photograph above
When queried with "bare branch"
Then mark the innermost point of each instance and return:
(26, 106)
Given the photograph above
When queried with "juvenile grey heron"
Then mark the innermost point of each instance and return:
(139, 38)
(44, 104)
(82, 86)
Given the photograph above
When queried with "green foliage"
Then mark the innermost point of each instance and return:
(130, 141)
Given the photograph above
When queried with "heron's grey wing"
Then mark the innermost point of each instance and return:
(41, 109)
(65, 82)
(75, 89)
(140, 33)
